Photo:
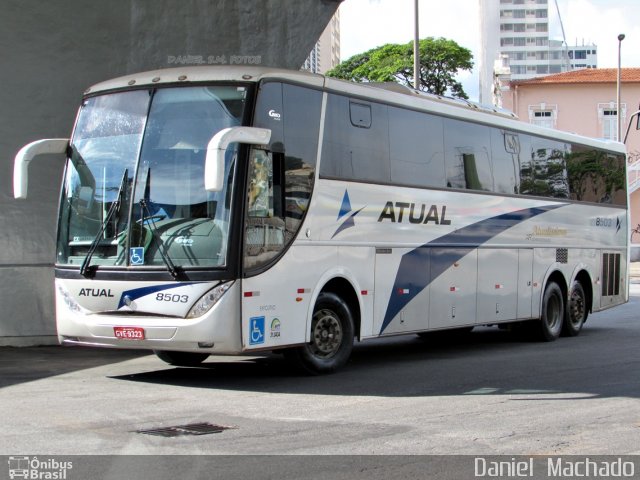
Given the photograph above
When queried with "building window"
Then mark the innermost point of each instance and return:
(608, 116)
(543, 115)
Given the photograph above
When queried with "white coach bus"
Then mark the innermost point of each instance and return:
(222, 210)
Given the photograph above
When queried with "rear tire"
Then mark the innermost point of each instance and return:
(332, 335)
(551, 319)
(181, 359)
(577, 311)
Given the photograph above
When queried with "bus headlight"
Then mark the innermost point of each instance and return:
(208, 300)
(69, 301)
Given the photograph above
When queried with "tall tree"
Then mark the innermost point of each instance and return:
(440, 60)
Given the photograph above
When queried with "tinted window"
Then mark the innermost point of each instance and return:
(301, 119)
(543, 170)
(505, 150)
(269, 113)
(301, 129)
(280, 181)
(467, 155)
(352, 152)
(596, 176)
(264, 222)
(416, 148)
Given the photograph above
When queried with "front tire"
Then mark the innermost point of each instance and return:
(181, 359)
(551, 319)
(332, 333)
(577, 311)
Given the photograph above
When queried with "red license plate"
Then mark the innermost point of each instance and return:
(129, 333)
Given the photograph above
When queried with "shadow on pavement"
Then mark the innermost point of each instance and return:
(601, 362)
(26, 364)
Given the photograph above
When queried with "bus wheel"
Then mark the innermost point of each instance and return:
(332, 335)
(181, 359)
(552, 313)
(577, 311)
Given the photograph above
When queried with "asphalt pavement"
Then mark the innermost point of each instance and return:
(486, 393)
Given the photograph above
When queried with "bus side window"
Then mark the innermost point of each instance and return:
(356, 141)
(505, 153)
(260, 195)
(264, 224)
(467, 155)
(281, 179)
(416, 148)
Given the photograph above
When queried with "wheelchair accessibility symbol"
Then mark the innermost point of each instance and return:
(136, 256)
(256, 330)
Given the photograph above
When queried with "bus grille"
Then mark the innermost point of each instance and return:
(562, 255)
(610, 274)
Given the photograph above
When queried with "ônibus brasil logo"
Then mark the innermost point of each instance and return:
(346, 211)
(38, 468)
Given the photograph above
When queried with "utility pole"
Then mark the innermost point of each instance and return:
(618, 106)
(416, 49)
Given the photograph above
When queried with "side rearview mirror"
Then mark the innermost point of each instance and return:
(637, 115)
(214, 162)
(26, 154)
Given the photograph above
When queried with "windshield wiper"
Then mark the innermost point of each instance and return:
(173, 270)
(85, 269)
(146, 215)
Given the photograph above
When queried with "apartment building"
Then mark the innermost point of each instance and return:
(326, 52)
(517, 34)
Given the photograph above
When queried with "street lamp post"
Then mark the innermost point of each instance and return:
(416, 49)
(618, 107)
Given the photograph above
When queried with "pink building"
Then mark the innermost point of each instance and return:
(584, 102)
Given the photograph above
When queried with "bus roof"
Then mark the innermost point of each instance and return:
(389, 93)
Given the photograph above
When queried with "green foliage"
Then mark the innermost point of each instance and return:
(440, 60)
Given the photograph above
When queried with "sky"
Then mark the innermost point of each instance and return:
(365, 24)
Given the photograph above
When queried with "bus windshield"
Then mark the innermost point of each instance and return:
(134, 194)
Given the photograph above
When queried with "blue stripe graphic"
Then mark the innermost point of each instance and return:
(345, 207)
(418, 268)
